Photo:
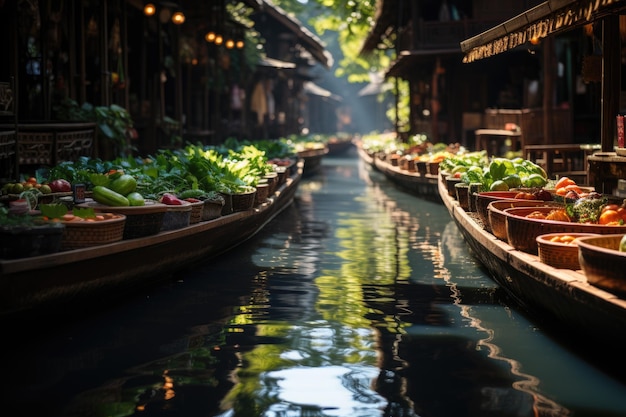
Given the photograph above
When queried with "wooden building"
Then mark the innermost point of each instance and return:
(183, 71)
(550, 87)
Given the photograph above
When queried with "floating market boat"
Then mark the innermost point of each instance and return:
(420, 180)
(81, 276)
(583, 315)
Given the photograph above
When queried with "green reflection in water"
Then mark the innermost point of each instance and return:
(337, 332)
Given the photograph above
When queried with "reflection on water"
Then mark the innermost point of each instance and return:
(357, 301)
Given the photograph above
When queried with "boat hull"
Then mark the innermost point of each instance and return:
(79, 276)
(559, 298)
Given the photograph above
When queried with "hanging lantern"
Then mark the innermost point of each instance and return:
(149, 9)
(210, 36)
(178, 18)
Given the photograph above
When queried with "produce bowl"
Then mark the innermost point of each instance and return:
(560, 250)
(141, 221)
(522, 231)
(603, 263)
(497, 218)
(482, 200)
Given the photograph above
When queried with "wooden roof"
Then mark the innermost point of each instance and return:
(547, 19)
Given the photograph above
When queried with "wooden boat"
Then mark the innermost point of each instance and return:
(421, 185)
(338, 146)
(585, 317)
(77, 276)
(312, 160)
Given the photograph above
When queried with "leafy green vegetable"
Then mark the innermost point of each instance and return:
(53, 210)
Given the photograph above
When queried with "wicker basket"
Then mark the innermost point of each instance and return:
(244, 201)
(482, 200)
(462, 194)
(497, 218)
(141, 221)
(522, 231)
(283, 174)
(83, 234)
(451, 183)
(212, 209)
(262, 192)
(559, 254)
(196, 212)
(603, 263)
(176, 217)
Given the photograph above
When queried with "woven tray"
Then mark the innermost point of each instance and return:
(82, 234)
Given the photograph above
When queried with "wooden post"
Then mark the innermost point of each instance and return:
(610, 81)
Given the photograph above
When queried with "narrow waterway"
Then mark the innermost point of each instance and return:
(358, 300)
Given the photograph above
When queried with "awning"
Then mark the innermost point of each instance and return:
(314, 89)
(547, 19)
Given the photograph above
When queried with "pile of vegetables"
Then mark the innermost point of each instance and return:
(497, 173)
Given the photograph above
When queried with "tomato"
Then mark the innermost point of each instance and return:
(32, 180)
(564, 182)
(622, 213)
(613, 207)
(609, 217)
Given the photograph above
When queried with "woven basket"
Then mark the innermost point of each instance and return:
(451, 183)
(176, 217)
(196, 212)
(522, 231)
(497, 218)
(244, 201)
(558, 254)
(262, 192)
(283, 174)
(272, 180)
(433, 168)
(462, 194)
(83, 234)
(482, 200)
(603, 263)
(141, 221)
(212, 209)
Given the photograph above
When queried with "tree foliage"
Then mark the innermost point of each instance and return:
(347, 24)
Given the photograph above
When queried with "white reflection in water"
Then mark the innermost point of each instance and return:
(333, 390)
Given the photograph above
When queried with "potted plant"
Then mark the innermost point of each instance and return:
(113, 122)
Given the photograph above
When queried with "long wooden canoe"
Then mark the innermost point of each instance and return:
(60, 279)
(424, 186)
(585, 317)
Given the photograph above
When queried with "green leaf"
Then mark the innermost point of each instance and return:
(100, 179)
(53, 211)
(84, 213)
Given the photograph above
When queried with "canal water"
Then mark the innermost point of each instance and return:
(359, 300)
